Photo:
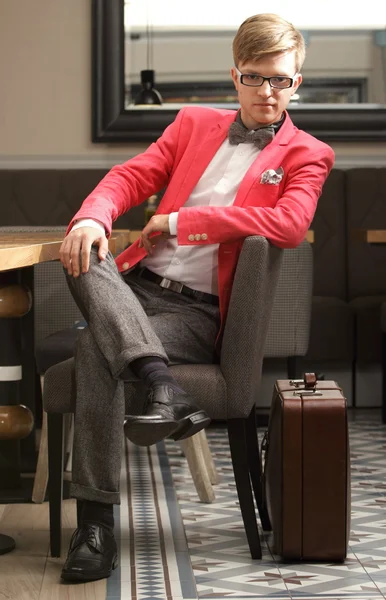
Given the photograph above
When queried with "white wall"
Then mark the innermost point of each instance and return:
(45, 97)
(45, 103)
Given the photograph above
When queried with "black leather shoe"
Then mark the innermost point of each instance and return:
(92, 555)
(169, 414)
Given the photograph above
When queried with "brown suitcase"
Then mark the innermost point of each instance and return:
(307, 470)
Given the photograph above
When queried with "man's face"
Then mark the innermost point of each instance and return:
(264, 105)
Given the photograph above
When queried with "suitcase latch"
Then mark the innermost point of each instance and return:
(296, 382)
(308, 393)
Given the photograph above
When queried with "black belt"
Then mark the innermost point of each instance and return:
(176, 286)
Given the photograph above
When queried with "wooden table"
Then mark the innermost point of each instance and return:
(20, 250)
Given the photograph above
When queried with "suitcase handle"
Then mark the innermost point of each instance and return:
(309, 381)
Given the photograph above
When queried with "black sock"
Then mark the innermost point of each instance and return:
(98, 512)
(79, 511)
(154, 371)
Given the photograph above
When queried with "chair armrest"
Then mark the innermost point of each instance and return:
(289, 327)
(246, 327)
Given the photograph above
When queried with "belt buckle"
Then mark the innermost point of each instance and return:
(174, 286)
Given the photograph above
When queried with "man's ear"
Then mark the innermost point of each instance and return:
(299, 80)
(234, 77)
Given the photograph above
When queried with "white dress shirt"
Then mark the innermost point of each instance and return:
(196, 266)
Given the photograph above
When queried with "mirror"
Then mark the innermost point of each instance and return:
(192, 65)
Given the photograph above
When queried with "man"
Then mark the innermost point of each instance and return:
(170, 301)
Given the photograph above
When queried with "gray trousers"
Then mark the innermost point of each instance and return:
(128, 317)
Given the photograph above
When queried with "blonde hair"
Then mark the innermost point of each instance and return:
(264, 34)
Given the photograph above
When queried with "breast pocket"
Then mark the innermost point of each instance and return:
(264, 194)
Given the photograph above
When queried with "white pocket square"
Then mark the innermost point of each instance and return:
(272, 177)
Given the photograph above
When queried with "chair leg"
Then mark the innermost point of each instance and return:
(255, 470)
(196, 461)
(69, 444)
(79, 508)
(239, 453)
(41, 475)
(383, 377)
(55, 479)
(211, 467)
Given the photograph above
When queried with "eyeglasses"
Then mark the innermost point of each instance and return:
(277, 82)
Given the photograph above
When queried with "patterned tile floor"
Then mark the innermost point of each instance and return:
(174, 547)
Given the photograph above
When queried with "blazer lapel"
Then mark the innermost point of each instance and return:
(266, 159)
(204, 153)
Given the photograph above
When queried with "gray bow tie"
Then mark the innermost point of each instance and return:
(260, 137)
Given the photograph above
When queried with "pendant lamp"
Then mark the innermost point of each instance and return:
(148, 94)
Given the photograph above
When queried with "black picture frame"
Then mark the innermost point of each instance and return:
(113, 123)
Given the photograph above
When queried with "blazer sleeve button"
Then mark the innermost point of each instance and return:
(204, 236)
(191, 237)
(197, 237)
(125, 266)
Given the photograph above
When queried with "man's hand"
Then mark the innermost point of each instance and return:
(158, 223)
(76, 248)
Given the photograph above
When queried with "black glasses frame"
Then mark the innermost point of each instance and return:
(242, 75)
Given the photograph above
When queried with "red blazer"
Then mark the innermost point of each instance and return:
(280, 212)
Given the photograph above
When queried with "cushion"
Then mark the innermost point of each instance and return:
(367, 311)
(332, 330)
(204, 382)
(329, 247)
(366, 209)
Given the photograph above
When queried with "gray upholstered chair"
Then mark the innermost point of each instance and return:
(260, 323)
